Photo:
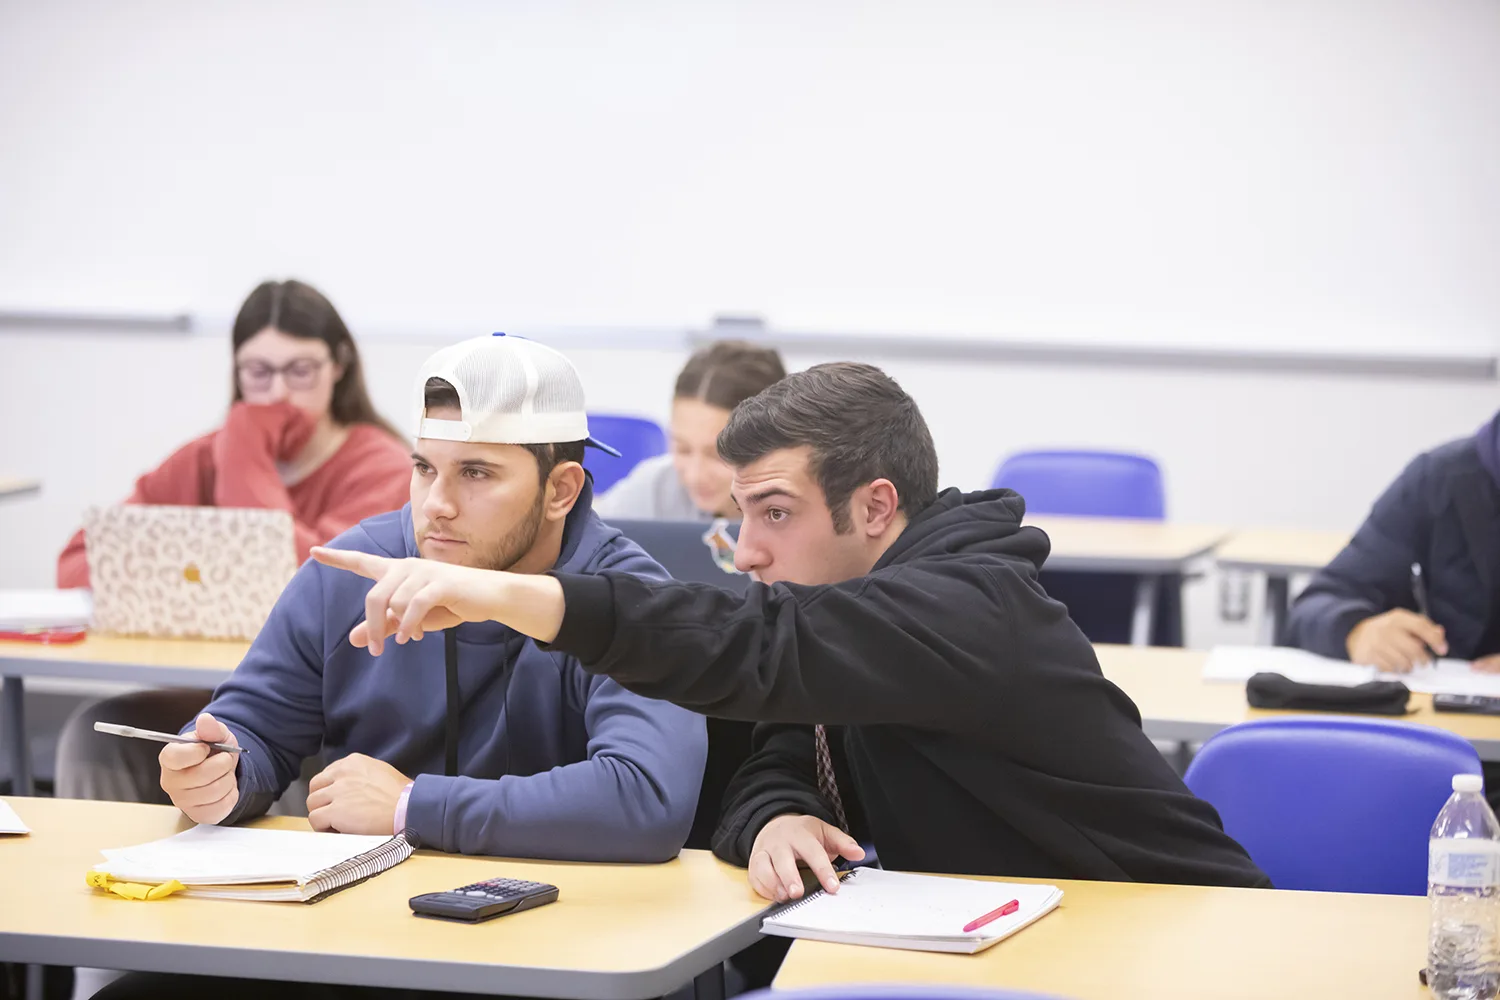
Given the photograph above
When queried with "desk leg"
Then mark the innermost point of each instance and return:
(1143, 621)
(710, 985)
(1274, 620)
(34, 978)
(13, 722)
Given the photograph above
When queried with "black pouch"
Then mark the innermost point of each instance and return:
(1268, 690)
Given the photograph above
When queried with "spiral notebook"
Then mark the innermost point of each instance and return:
(886, 909)
(227, 862)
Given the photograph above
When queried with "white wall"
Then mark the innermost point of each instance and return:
(1235, 172)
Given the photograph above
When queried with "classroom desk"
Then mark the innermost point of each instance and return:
(164, 662)
(1132, 941)
(1279, 553)
(17, 487)
(1148, 550)
(1176, 703)
(618, 932)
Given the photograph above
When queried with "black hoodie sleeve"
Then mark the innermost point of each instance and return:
(778, 778)
(900, 646)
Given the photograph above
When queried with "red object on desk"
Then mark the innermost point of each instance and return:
(47, 636)
(1004, 911)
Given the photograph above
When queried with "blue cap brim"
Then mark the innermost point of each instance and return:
(596, 443)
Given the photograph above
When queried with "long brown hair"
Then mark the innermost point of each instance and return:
(298, 309)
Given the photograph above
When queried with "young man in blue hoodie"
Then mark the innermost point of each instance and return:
(473, 739)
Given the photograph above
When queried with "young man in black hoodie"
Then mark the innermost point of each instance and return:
(979, 733)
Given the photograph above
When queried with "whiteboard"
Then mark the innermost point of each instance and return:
(1233, 174)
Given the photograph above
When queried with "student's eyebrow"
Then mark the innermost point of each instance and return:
(768, 493)
(468, 463)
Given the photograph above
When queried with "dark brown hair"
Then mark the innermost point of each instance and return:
(726, 373)
(860, 425)
(439, 394)
(298, 309)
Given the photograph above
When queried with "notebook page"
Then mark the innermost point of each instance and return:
(9, 821)
(1240, 663)
(1449, 677)
(898, 904)
(1444, 676)
(226, 855)
(26, 609)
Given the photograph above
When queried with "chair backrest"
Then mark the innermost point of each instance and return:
(1332, 803)
(1092, 483)
(897, 991)
(635, 438)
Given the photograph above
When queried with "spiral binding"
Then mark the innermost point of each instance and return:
(365, 866)
(842, 876)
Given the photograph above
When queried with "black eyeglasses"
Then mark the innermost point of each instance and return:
(257, 376)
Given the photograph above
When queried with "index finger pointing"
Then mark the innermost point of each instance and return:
(369, 566)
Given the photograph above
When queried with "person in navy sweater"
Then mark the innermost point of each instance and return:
(1442, 514)
(474, 739)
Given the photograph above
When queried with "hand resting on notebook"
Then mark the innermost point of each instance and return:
(199, 780)
(355, 794)
(789, 839)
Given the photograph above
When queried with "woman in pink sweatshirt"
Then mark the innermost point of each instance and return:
(301, 435)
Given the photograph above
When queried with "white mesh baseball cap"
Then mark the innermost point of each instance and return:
(510, 391)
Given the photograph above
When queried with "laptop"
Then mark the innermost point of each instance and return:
(695, 551)
(187, 572)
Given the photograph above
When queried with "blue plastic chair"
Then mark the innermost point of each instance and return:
(1097, 484)
(635, 438)
(1332, 803)
(1088, 483)
(896, 991)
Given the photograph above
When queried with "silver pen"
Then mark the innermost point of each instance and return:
(151, 734)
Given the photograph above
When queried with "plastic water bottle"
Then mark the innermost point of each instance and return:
(1463, 893)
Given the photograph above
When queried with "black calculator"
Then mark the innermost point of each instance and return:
(1475, 704)
(482, 900)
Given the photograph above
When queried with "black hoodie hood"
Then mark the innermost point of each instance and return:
(988, 521)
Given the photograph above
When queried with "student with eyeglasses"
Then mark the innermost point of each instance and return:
(301, 435)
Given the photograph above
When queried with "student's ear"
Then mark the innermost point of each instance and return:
(881, 504)
(563, 487)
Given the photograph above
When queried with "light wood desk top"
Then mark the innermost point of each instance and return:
(1125, 941)
(1280, 550)
(617, 932)
(1176, 703)
(1124, 545)
(196, 662)
(16, 487)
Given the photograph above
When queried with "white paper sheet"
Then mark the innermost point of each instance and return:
(1240, 663)
(41, 609)
(226, 855)
(10, 823)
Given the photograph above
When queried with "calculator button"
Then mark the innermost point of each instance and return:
(479, 893)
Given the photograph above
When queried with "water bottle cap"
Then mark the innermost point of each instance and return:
(1468, 783)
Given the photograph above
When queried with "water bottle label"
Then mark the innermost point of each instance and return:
(1464, 864)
